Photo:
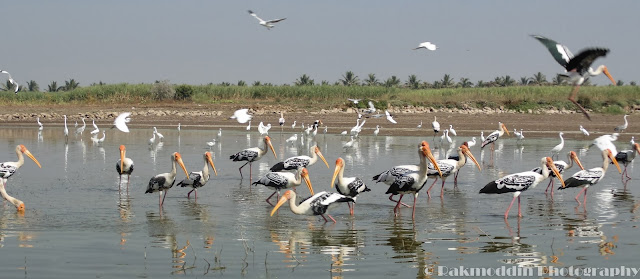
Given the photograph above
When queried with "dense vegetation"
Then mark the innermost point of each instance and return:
(529, 93)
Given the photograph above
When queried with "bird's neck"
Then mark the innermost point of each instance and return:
(605, 163)
(20, 161)
(174, 170)
(294, 207)
(598, 70)
(3, 192)
(545, 170)
(463, 158)
(205, 170)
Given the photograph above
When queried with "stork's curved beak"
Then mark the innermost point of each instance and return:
(505, 129)
(122, 156)
(268, 141)
(467, 152)
(613, 159)
(305, 176)
(179, 160)
(26, 152)
(574, 157)
(427, 152)
(212, 165)
(555, 171)
(283, 199)
(606, 72)
(335, 173)
(322, 157)
(637, 147)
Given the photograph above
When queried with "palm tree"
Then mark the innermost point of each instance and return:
(413, 82)
(304, 80)
(539, 79)
(465, 83)
(620, 83)
(8, 86)
(393, 81)
(633, 83)
(480, 83)
(32, 85)
(242, 83)
(256, 83)
(447, 81)
(349, 79)
(524, 81)
(70, 85)
(372, 80)
(224, 83)
(53, 87)
(324, 82)
(558, 80)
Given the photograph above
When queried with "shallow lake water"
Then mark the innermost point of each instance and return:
(78, 224)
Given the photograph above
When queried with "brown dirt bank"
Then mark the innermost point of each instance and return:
(193, 116)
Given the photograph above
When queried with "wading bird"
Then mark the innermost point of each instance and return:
(253, 154)
(435, 125)
(197, 179)
(376, 131)
(266, 23)
(519, 135)
(452, 131)
(241, 115)
(40, 127)
(449, 167)
(579, 67)
(121, 122)
(427, 45)
(7, 169)
(318, 204)
(627, 156)
(584, 131)
(556, 149)
(493, 137)
(164, 181)
(292, 139)
(284, 180)
(518, 182)
(472, 142)
(16, 202)
(412, 182)
(81, 129)
(586, 178)
(95, 128)
(281, 120)
(347, 186)
(296, 162)
(622, 127)
(124, 166)
(66, 130)
(562, 166)
(160, 136)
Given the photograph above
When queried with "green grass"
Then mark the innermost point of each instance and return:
(606, 99)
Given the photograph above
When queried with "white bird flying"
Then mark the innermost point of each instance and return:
(371, 108)
(121, 122)
(355, 101)
(242, 116)
(390, 117)
(266, 23)
(12, 81)
(427, 45)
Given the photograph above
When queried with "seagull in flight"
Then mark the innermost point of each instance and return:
(390, 117)
(267, 23)
(427, 45)
(12, 81)
(355, 101)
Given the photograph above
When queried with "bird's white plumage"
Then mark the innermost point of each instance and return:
(584, 131)
(427, 45)
(435, 125)
(121, 121)
(390, 117)
(266, 23)
(452, 131)
(242, 116)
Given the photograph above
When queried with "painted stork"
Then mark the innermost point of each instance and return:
(164, 181)
(253, 154)
(556, 149)
(519, 182)
(493, 137)
(562, 166)
(124, 166)
(16, 202)
(412, 182)
(435, 125)
(266, 23)
(622, 127)
(284, 180)
(627, 156)
(449, 167)
(300, 161)
(586, 178)
(318, 204)
(390, 175)
(7, 169)
(347, 186)
(578, 67)
(197, 179)
(584, 131)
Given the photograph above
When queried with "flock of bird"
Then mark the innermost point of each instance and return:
(402, 179)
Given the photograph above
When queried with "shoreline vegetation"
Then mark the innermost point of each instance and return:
(521, 99)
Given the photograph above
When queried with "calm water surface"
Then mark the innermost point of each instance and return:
(78, 225)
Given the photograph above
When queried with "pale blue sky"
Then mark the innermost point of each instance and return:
(198, 42)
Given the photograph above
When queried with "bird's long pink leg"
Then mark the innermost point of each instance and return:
(391, 199)
(334, 220)
(267, 200)
(455, 179)
(548, 185)
(413, 213)
(578, 195)
(585, 196)
(159, 199)
(572, 97)
(442, 189)
(395, 209)
(250, 172)
(189, 194)
(506, 213)
(196, 194)
(519, 211)
(350, 209)
(165, 195)
(128, 179)
(240, 169)
(429, 190)
(325, 218)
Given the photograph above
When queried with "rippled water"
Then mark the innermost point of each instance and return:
(78, 225)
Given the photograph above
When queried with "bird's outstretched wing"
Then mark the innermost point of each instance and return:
(121, 122)
(585, 58)
(276, 20)
(559, 52)
(254, 15)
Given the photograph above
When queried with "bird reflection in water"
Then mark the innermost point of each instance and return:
(404, 241)
(517, 252)
(124, 208)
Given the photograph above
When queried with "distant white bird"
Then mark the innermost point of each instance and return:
(293, 138)
(344, 133)
(325, 129)
(435, 125)
(121, 122)
(350, 143)
(264, 130)
(266, 23)
(12, 81)
(66, 130)
(558, 147)
(358, 128)
(472, 142)
(249, 126)
(104, 136)
(390, 117)
(281, 120)
(152, 140)
(519, 135)
(624, 126)
(160, 136)
(211, 143)
(76, 125)
(81, 129)
(371, 108)
(377, 130)
(293, 126)
(220, 132)
(605, 142)
(446, 133)
(584, 131)
(355, 101)
(452, 131)
(481, 136)
(426, 45)
(40, 127)
(178, 127)
(95, 128)
(420, 125)
(241, 115)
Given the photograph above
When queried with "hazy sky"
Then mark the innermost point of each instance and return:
(198, 42)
